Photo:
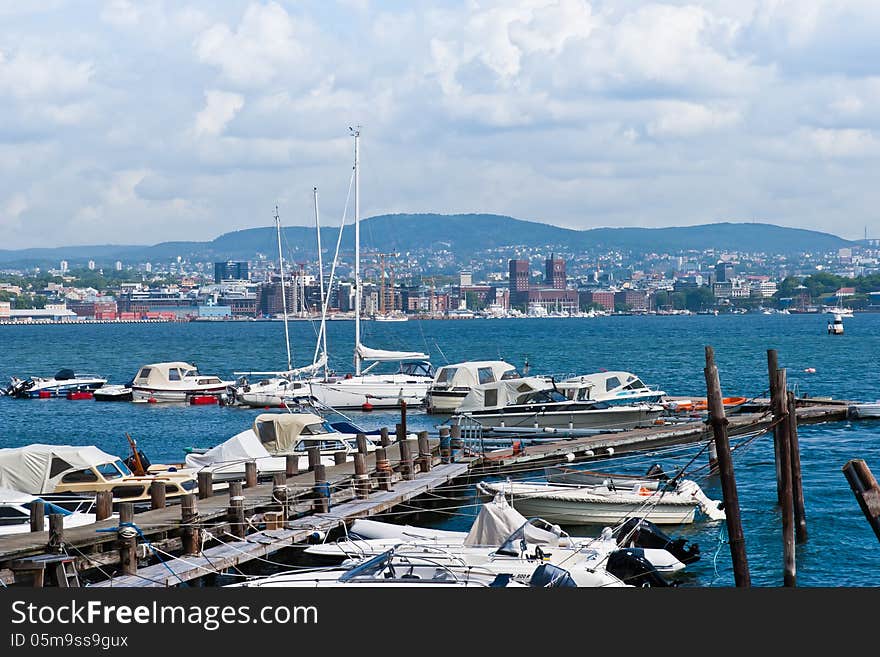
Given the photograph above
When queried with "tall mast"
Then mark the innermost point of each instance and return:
(321, 276)
(357, 250)
(283, 290)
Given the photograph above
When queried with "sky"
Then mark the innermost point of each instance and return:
(139, 122)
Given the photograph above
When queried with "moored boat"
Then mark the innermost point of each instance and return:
(64, 381)
(452, 383)
(610, 387)
(175, 382)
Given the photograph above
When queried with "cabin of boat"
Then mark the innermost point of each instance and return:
(611, 387)
(452, 383)
(80, 470)
(174, 381)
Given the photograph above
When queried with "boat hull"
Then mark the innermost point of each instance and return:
(141, 394)
(357, 392)
(444, 401)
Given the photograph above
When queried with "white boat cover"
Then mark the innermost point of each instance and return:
(242, 447)
(496, 521)
(10, 496)
(375, 529)
(466, 375)
(381, 355)
(310, 369)
(37, 469)
(500, 393)
(277, 432)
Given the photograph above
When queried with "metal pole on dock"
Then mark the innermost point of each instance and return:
(776, 406)
(867, 491)
(38, 516)
(725, 466)
(235, 511)
(188, 517)
(789, 566)
(157, 495)
(104, 504)
(797, 483)
(127, 539)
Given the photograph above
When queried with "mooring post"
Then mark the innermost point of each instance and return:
(399, 432)
(321, 490)
(314, 457)
(725, 467)
(362, 444)
(56, 533)
(713, 458)
(38, 516)
(250, 474)
(206, 484)
(104, 504)
(127, 539)
(188, 521)
(455, 443)
(789, 575)
(445, 445)
(291, 465)
(361, 478)
(777, 409)
(424, 452)
(340, 457)
(797, 482)
(235, 511)
(383, 469)
(867, 491)
(402, 419)
(157, 495)
(280, 490)
(406, 460)
(383, 437)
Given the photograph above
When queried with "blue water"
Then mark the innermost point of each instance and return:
(664, 351)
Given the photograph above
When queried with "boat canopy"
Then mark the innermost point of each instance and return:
(501, 393)
(496, 521)
(473, 373)
(278, 432)
(11, 496)
(37, 469)
(236, 451)
(65, 375)
(310, 369)
(157, 374)
(384, 356)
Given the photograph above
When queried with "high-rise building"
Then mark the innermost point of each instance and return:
(91, 265)
(723, 272)
(554, 273)
(63, 266)
(230, 271)
(519, 275)
(465, 278)
(148, 267)
(119, 265)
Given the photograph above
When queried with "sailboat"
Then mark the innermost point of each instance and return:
(364, 389)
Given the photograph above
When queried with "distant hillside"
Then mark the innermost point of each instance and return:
(464, 234)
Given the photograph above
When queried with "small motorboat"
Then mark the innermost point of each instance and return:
(15, 511)
(562, 475)
(452, 383)
(869, 410)
(175, 382)
(113, 393)
(610, 387)
(64, 381)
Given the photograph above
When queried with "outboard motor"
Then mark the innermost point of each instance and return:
(638, 532)
(548, 576)
(630, 565)
(656, 472)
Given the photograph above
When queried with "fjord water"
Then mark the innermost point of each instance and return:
(666, 351)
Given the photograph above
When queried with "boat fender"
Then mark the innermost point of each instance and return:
(348, 376)
(569, 457)
(610, 451)
(317, 535)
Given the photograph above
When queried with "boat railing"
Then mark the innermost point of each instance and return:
(471, 433)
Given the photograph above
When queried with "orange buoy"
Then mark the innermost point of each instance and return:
(367, 407)
(152, 400)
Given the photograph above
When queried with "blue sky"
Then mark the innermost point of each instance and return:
(139, 122)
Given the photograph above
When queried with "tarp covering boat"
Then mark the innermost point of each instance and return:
(242, 447)
(38, 468)
(277, 432)
(501, 393)
(495, 523)
(382, 355)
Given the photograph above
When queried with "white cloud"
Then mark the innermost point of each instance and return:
(220, 108)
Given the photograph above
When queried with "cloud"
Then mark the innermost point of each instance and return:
(220, 108)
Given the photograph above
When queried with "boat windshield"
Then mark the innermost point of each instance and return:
(535, 531)
(396, 567)
(542, 397)
(416, 368)
(510, 374)
(635, 384)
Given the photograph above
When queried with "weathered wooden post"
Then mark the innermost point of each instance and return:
(725, 466)
(56, 533)
(321, 490)
(157, 495)
(402, 430)
(777, 409)
(235, 511)
(424, 452)
(383, 469)
(127, 539)
(188, 521)
(789, 567)
(38, 516)
(399, 432)
(797, 481)
(291, 465)
(314, 457)
(445, 445)
(250, 474)
(280, 491)
(362, 444)
(383, 437)
(340, 457)
(867, 491)
(104, 504)
(455, 443)
(406, 460)
(206, 484)
(361, 478)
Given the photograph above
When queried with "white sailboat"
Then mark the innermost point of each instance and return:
(365, 389)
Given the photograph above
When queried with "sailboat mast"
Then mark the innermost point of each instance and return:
(283, 290)
(357, 251)
(321, 276)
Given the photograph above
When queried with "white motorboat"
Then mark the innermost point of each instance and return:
(606, 505)
(536, 403)
(610, 387)
(113, 393)
(66, 380)
(362, 389)
(452, 383)
(499, 526)
(175, 382)
(15, 512)
(272, 437)
(867, 410)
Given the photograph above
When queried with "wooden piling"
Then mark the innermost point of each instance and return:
(361, 479)
(406, 460)
(777, 409)
(38, 516)
(56, 533)
(291, 465)
(445, 445)
(362, 444)
(250, 474)
(279, 488)
(797, 482)
(424, 452)
(718, 421)
(157, 495)
(104, 504)
(235, 511)
(314, 457)
(383, 469)
(399, 432)
(127, 544)
(789, 576)
(321, 490)
(206, 484)
(864, 486)
(188, 520)
(455, 443)
(340, 457)
(402, 431)
(383, 437)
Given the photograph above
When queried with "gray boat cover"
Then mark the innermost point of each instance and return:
(37, 469)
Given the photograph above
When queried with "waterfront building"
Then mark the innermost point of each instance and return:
(230, 271)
